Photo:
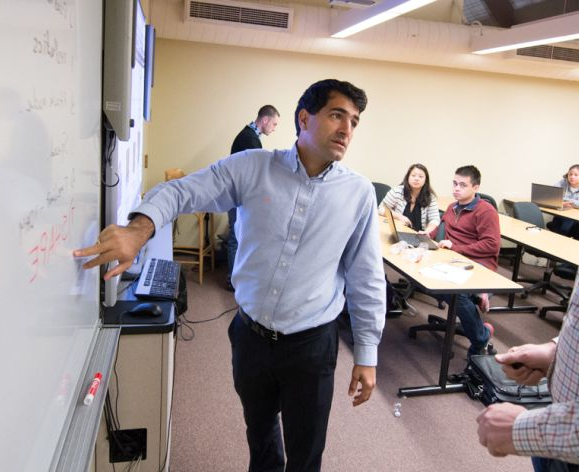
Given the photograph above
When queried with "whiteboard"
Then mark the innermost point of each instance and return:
(50, 95)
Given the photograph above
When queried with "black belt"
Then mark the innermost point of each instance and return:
(259, 329)
(276, 335)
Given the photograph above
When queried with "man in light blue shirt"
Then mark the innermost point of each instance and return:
(308, 233)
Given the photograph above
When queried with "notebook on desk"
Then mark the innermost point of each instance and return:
(413, 239)
(547, 196)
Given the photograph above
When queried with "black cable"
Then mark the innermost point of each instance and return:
(210, 319)
(110, 143)
(183, 322)
(112, 416)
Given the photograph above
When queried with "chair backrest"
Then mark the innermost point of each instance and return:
(381, 191)
(529, 212)
(565, 271)
(440, 233)
(173, 173)
(489, 199)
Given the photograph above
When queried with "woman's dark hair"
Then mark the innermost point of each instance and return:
(426, 192)
(574, 166)
(317, 95)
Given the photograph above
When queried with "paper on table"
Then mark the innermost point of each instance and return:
(447, 272)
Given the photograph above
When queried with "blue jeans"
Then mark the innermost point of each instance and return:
(231, 240)
(542, 464)
(470, 321)
(293, 376)
(564, 226)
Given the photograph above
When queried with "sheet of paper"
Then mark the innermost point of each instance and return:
(447, 272)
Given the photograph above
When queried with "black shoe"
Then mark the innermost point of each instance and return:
(488, 350)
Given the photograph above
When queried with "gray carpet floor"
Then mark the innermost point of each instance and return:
(432, 433)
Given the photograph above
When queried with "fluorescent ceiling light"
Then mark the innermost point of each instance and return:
(552, 30)
(353, 21)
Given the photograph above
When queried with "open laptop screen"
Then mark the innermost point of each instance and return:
(547, 196)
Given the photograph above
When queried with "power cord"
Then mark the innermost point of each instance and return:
(110, 143)
(123, 442)
(184, 323)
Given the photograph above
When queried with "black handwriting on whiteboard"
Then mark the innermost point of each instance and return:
(48, 46)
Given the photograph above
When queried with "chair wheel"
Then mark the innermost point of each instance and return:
(524, 295)
(412, 333)
(441, 305)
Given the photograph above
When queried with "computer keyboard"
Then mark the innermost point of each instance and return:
(410, 238)
(415, 240)
(159, 279)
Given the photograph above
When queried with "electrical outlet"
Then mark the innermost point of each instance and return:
(126, 445)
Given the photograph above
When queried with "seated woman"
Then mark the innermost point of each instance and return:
(414, 202)
(570, 183)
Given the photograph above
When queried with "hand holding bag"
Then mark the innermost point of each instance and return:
(485, 381)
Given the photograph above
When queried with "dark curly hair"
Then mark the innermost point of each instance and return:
(317, 95)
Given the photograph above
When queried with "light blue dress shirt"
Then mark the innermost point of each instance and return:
(301, 240)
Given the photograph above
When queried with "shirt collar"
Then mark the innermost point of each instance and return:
(294, 163)
(468, 206)
(254, 127)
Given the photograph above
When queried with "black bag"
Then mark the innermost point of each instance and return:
(486, 381)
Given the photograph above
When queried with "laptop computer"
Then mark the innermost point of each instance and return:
(413, 239)
(547, 196)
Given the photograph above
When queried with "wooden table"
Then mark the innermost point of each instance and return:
(481, 280)
(552, 245)
(571, 213)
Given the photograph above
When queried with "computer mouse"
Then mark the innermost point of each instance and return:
(146, 309)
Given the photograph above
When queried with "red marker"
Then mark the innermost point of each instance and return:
(94, 386)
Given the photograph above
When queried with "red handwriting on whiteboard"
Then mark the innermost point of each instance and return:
(49, 241)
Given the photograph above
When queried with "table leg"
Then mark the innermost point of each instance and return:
(511, 305)
(443, 386)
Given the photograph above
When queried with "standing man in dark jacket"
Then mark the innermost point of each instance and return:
(248, 138)
(265, 123)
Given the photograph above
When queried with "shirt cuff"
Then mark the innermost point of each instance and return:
(365, 355)
(151, 212)
(526, 433)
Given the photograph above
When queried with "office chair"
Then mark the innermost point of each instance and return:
(565, 271)
(505, 252)
(531, 213)
(381, 191)
(489, 199)
(206, 236)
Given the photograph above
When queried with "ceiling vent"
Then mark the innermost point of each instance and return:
(551, 53)
(240, 13)
(351, 3)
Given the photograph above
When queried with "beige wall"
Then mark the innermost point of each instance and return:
(516, 130)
